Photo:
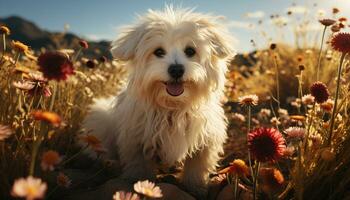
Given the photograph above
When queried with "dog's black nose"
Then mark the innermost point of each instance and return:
(176, 70)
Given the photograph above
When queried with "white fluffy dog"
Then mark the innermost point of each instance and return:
(170, 110)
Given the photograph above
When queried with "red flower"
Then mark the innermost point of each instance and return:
(319, 91)
(102, 59)
(90, 64)
(266, 144)
(55, 66)
(83, 44)
(341, 42)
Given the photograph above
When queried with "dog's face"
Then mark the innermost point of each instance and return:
(177, 58)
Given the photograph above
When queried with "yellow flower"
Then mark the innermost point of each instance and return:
(19, 46)
(31, 188)
(4, 30)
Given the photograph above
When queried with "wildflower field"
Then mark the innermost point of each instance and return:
(288, 112)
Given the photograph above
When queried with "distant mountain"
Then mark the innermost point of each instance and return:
(32, 35)
(35, 37)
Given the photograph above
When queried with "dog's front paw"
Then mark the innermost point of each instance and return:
(134, 174)
(199, 191)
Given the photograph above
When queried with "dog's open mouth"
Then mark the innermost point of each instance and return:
(174, 88)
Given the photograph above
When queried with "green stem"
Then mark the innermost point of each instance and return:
(300, 88)
(74, 156)
(299, 173)
(320, 55)
(35, 149)
(52, 101)
(249, 156)
(255, 185)
(335, 99)
(4, 45)
(309, 126)
(277, 83)
(18, 55)
(52, 191)
(236, 187)
(77, 55)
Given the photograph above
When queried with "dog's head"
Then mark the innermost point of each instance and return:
(177, 57)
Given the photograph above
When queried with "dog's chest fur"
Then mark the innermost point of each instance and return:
(169, 136)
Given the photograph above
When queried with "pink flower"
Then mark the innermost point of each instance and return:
(148, 189)
(5, 132)
(30, 188)
(121, 195)
(295, 132)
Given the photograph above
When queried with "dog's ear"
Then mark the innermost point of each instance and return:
(124, 47)
(220, 40)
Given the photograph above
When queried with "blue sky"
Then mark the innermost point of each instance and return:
(99, 19)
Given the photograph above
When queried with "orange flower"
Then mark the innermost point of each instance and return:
(272, 179)
(47, 116)
(93, 142)
(49, 160)
(297, 118)
(328, 105)
(237, 167)
(342, 19)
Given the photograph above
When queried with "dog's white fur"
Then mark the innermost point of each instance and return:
(144, 123)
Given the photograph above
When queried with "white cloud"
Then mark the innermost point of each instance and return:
(257, 14)
(239, 24)
(96, 37)
(298, 9)
(314, 27)
(279, 21)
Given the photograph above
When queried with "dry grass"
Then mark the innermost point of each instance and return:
(317, 169)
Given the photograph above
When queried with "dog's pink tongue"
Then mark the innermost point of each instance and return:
(174, 88)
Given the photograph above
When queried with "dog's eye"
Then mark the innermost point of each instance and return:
(159, 52)
(190, 51)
